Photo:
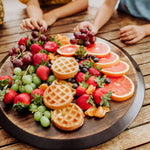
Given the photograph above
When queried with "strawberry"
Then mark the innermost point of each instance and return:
(80, 90)
(6, 77)
(101, 96)
(35, 48)
(21, 102)
(9, 96)
(80, 77)
(38, 92)
(38, 57)
(84, 101)
(43, 72)
(23, 41)
(50, 46)
(94, 71)
(91, 81)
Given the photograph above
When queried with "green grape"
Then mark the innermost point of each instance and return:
(37, 116)
(17, 71)
(15, 87)
(34, 75)
(15, 77)
(51, 78)
(17, 81)
(28, 88)
(36, 80)
(27, 79)
(47, 114)
(45, 122)
(33, 85)
(42, 109)
(33, 107)
(31, 69)
(21, 89)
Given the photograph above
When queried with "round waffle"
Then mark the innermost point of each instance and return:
(68, 118)
(65, 67)
(57, 96)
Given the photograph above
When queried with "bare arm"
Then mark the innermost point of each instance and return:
(66, 10)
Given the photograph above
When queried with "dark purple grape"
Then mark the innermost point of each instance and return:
(92, 40)
(80, 42)
(77, 35)
(83, 36)
(96, 59)
(22, 48)
(27, 58)
(93, 56)
(87, 56)
(35, 34)
(16, 50)
(42, 29)
(49, 65)
(11, 52)
(13, 57)
(73, 41)
(84, 30)
(43, 37)
(27, 53)
(77, 60)
(84, 70)
(86, 43)
(74, 86)
(90, 34)
(107, 80)
(80, 66)
(18, 63)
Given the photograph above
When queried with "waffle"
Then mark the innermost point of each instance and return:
(66, 83)
(65, 67)
(57, 96)
(68, 118)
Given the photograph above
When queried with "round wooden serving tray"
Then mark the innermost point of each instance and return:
(93, 132)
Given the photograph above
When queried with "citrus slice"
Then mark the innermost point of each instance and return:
(122, 87)
(117, 70)
(108, 60)
(68, 50)
(99, 49)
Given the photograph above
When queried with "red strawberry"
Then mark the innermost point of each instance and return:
(98, 93)
(6, 77)
(94, 71)
(35, 48)
(43, 72)
(80, 90)
(80, 77)
(23, 41)
(38, 92)
(83, 61)
(91, 81)
(82, 102)
(51, 46)
(9, 96)
(37, 58)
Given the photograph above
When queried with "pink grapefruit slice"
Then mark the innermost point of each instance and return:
(109, 60)
(117, 70)
(99, 49)
(68, 50)
(122, 87)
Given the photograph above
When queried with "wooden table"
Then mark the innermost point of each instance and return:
(137, 135)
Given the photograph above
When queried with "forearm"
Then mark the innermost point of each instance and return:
(104, 13)
(34, 10)
(69, 9)
(146, 29)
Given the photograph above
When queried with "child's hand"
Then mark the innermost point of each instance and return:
(49, 18)
(131, 34)
(86, 24)
(33, 23)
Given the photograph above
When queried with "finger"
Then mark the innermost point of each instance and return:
(35, 23)
(127, 38)
(42, 23)
(76, 29)
(21, 27)
(132, 41)
(29, 25)
(126, 34)
(125, 29)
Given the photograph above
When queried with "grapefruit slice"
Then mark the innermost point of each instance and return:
(117, 70)
(99, 49)
(68, 50)
(122, 87)
(109, 60)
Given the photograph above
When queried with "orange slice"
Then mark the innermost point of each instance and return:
(122, 87)
(108, 60)
(68, 50)
(99, 49)
(117, 70)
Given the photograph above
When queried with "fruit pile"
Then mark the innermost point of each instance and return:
(91, 75)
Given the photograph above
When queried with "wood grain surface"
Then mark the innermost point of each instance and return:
(136, 136)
